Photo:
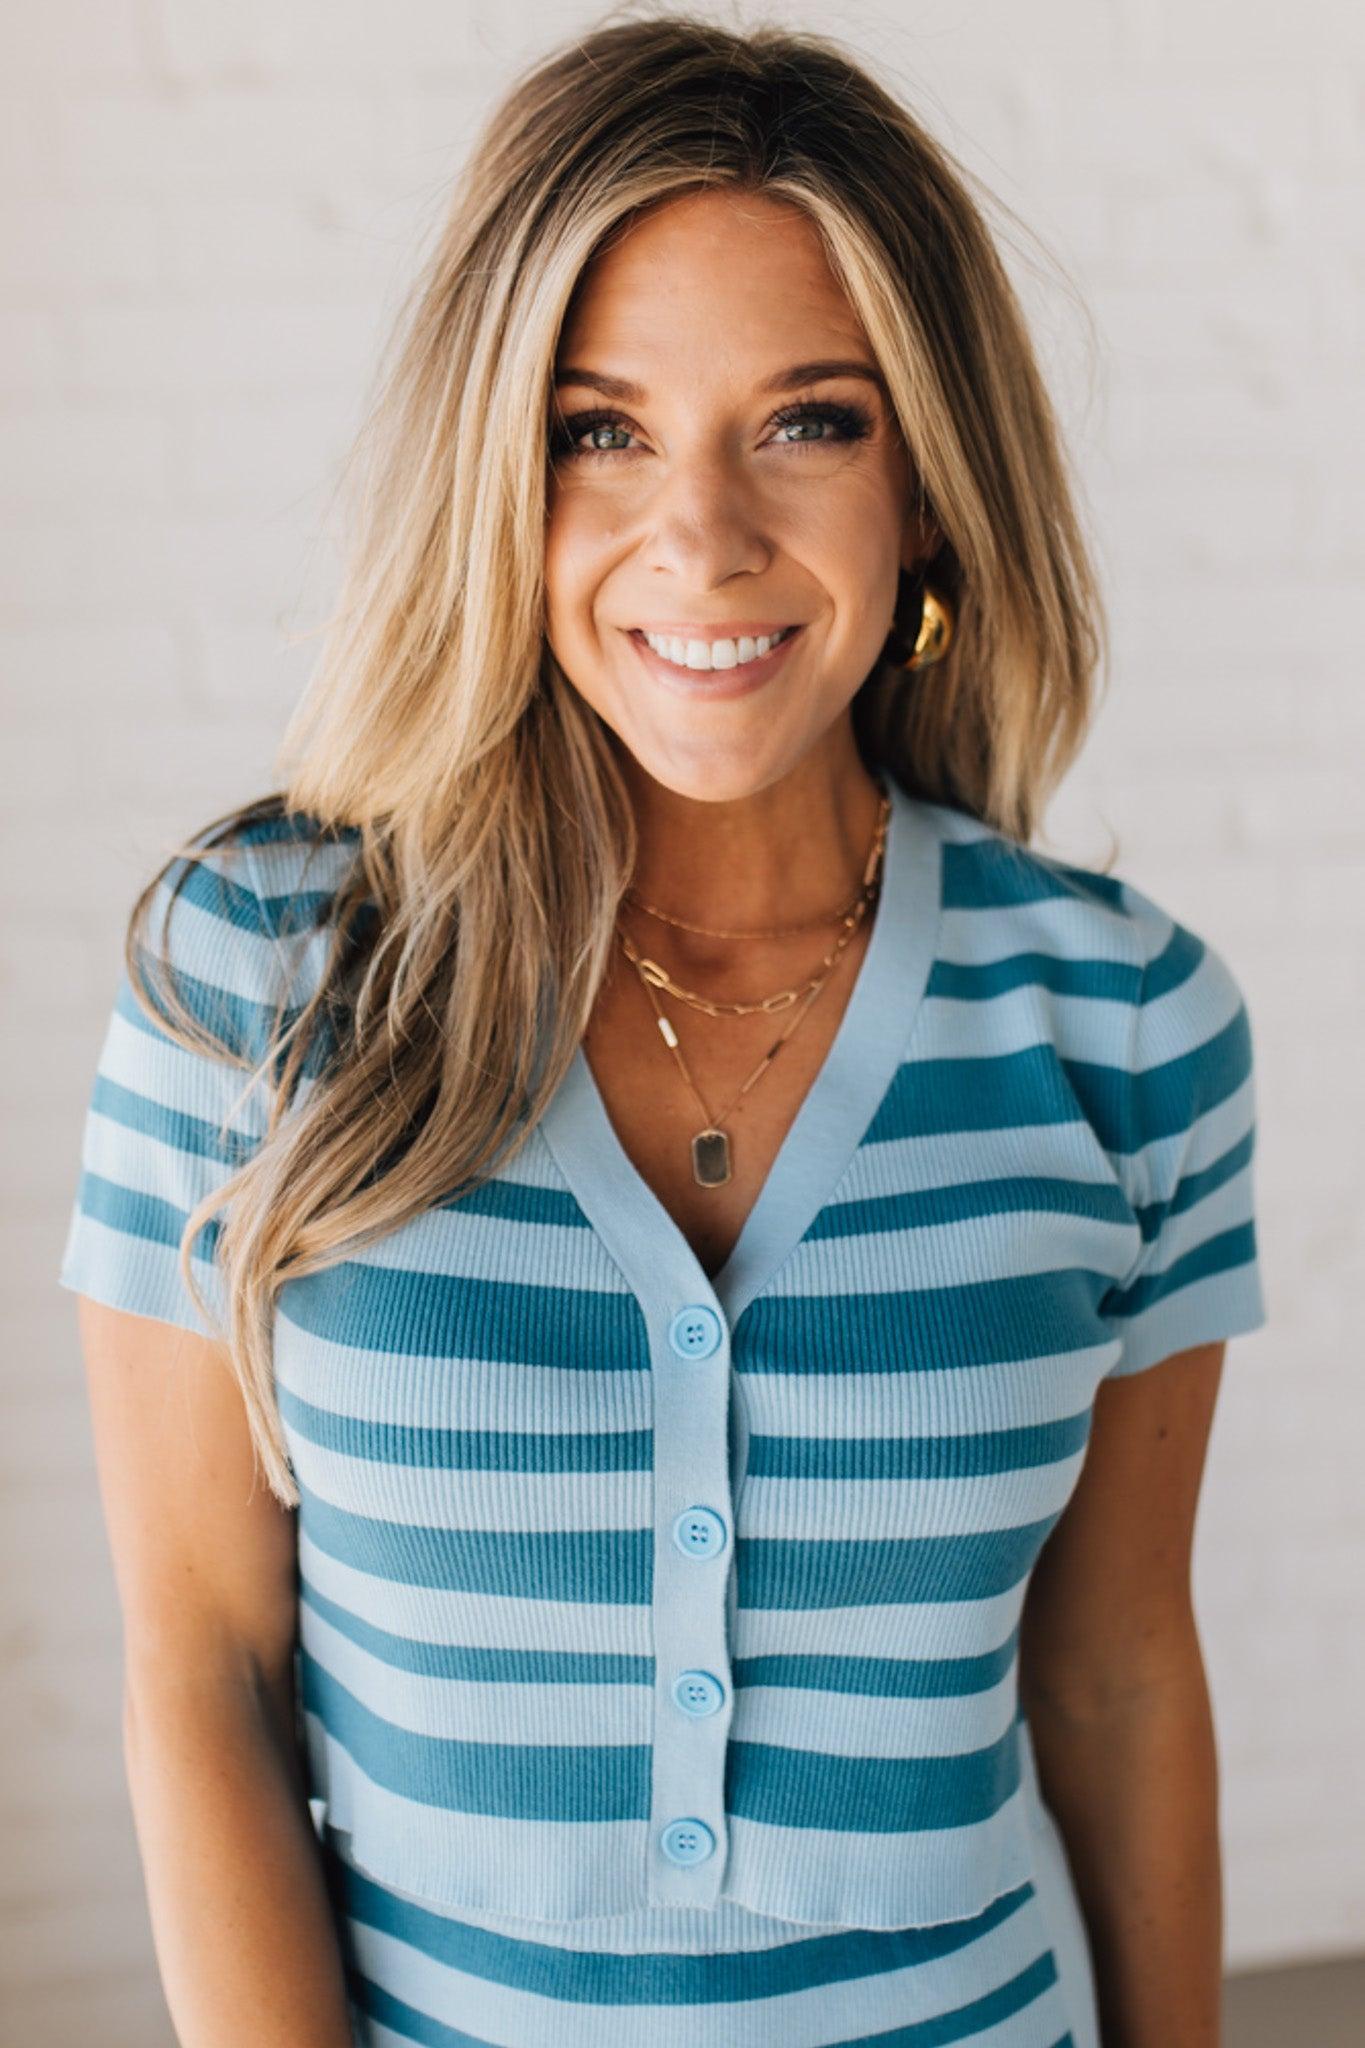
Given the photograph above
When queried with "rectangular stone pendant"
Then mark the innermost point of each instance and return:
(710, 1159)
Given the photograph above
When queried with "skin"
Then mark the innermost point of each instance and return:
(747, 809)
(701, 509)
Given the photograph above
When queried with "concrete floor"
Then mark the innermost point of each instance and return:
(1313, 2005)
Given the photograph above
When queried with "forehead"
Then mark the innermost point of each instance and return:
(708, 280)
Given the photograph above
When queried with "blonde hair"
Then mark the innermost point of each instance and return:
(494, 836)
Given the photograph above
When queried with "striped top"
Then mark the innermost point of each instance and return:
(626, 1591)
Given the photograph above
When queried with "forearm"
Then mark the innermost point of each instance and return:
(243, 1928)
(1134, 1787)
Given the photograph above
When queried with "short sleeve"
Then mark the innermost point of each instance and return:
(1188, 1139)
(166, 1126)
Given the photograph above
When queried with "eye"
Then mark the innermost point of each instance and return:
(846, 423)
(567, 432)
(850, 422)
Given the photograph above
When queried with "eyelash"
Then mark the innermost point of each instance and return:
(853, 421)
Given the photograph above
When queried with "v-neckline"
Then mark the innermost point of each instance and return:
(650, 1247)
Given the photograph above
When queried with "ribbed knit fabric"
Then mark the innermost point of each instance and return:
(651, 1613)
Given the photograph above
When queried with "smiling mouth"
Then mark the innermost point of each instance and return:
(697, 654)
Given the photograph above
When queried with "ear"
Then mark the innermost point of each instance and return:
(920, 541)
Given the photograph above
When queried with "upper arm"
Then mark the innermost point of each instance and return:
(1108, 1610)
(204, 1560)
(203, 1552)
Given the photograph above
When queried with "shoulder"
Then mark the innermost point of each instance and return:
(1128, 984)
(239, 920)
(996, 883)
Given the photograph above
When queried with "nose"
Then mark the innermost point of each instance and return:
(703, 524)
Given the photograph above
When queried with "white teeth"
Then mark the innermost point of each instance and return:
(714, 653)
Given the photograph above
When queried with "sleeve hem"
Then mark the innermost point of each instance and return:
(140, 1277)
(1224, 1305)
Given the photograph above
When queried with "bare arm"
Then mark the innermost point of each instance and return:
(245, 1940)
(1112, 1678)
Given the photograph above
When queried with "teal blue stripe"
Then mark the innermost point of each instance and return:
(991, 1092)
(279, 827)
(869, 1795)
(1196, 1185)
(612, 1567)
(512, 1780)
(938, 1207)
(990, 874)
(467, 1450)
(451, 1315)
(513, 1201)
(1011, 1091)
(615, 1566)
(212, 889)
(926, 1329)
(1222, 1253)
(300, 910)
(785, 1573)
(467, 1662)
(917, 1457)
(197, 1137)
(1129, 1112)
(597, 1977)
(1176, 962)
(1172, 1097)
(965, 2023)
(242, 1026)
(1110, 981)
(144, 1216)
(888, 1678)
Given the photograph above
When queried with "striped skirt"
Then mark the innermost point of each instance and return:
(1016, 1975)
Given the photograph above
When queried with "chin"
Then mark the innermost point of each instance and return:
(715, 774)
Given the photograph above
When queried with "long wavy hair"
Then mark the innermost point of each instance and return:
(493, 834)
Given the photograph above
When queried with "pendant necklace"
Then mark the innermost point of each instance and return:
(711, 1144)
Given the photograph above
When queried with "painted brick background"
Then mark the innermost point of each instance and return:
(207, 212)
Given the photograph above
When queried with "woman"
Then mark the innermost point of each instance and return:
(700, 1218)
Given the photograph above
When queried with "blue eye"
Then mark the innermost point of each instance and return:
(852, 422)
(847, 422)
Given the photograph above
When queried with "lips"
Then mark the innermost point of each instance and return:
(713, 683)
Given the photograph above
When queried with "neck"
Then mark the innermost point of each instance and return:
(792, 851)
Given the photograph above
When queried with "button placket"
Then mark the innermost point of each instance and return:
(693, 1563)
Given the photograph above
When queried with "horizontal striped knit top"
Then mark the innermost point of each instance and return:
(626, 1592)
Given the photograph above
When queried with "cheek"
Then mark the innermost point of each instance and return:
(579, 545)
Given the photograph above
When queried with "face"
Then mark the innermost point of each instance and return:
(707, 489)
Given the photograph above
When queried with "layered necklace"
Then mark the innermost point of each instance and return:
(711, 1144)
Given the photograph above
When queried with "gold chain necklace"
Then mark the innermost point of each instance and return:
(711, 1144)
(775, 931)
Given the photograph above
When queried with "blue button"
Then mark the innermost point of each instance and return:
(687, 1841)
(699, 1532)
(697, 1692)
(695, 1331)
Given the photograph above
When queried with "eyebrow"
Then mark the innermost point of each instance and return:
(785, 380)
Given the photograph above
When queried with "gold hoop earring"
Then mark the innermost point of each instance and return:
(935, 635)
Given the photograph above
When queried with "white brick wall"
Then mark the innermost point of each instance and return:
(206, 213)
